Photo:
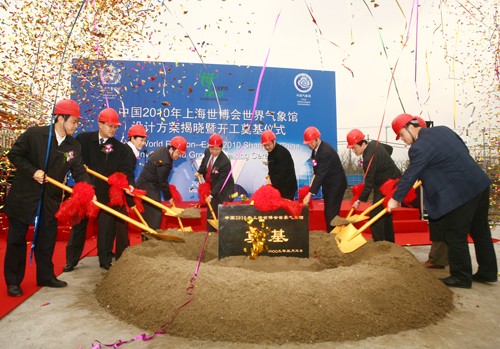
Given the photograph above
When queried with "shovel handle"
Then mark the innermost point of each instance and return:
(106, 208)
(209, 205)
(268, 179)
(374, 206)
(140, 216)
(350, 212)
(168, 211)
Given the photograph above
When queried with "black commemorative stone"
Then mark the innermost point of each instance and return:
(288, 237)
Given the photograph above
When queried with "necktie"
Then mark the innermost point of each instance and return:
(102, 142)
(208, 177)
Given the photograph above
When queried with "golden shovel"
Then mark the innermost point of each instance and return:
(213, 222)
(168, 211)
(118, 214)
(351, 239)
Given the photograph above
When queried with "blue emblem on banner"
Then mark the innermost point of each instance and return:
(303, 83)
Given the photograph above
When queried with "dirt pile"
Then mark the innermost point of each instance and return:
(378, 289)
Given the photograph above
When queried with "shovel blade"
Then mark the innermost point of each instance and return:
(349, 240)
(337, 229)
(176, 210)
(358, 218)
(188, 229)
(213, 223)
(344, 233)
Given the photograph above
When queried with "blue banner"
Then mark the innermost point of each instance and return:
(195, 101)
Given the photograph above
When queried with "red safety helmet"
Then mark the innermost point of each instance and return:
(67, 107)
(421, 122)
(180, 143)
(310, 134)
(137, 131)
(267, 136)
(110, 116)
(400, 121)
(215, 140)
(353, 137)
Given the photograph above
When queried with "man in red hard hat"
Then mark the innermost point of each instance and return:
(106, 155)
(329, 174)
(379, 167)
(28, 155)
(136, 141)
(154, 178)
(455, 187)
(215, 168)
(281, 167)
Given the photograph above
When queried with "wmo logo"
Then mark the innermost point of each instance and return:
(206, 80)
(303, 83)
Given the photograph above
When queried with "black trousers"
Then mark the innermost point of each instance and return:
(471, 219)
(15, 254)
(152, 214)
(109, 227)
(383, 228)
(333, 202)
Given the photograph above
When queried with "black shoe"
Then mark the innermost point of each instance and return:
(105, 266)
(14, 290)
(479, 278)
(453, 281)
(68, 267)
(53, 283)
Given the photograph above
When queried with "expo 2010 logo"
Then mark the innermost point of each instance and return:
(303, 83)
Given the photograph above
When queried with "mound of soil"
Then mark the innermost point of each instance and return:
(378, 289)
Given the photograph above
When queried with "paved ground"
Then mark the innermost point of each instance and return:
(73, 319)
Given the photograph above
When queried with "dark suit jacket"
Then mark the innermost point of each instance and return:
(282, 171)
(220, 171)
(381, 169)
(94, 157)
(154, 176)
(28, 155)
(450, 176)
(329, 172)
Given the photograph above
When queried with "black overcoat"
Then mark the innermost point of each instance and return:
(118, 160)
(154, 175)
(330, 175)
(282, 171)
(381, 169)
(28, 155)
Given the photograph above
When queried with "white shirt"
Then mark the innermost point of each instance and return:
(59, 138)
(134, 149)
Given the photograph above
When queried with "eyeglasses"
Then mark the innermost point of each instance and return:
(111, 126)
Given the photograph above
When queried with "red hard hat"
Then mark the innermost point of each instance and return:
(310, 134)
(110, 116)
(215, 140)
(137, 130)
(67, 107)
(400, 121)
(179, 143)
(421, 122)
(353, 137)
(267, 136)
